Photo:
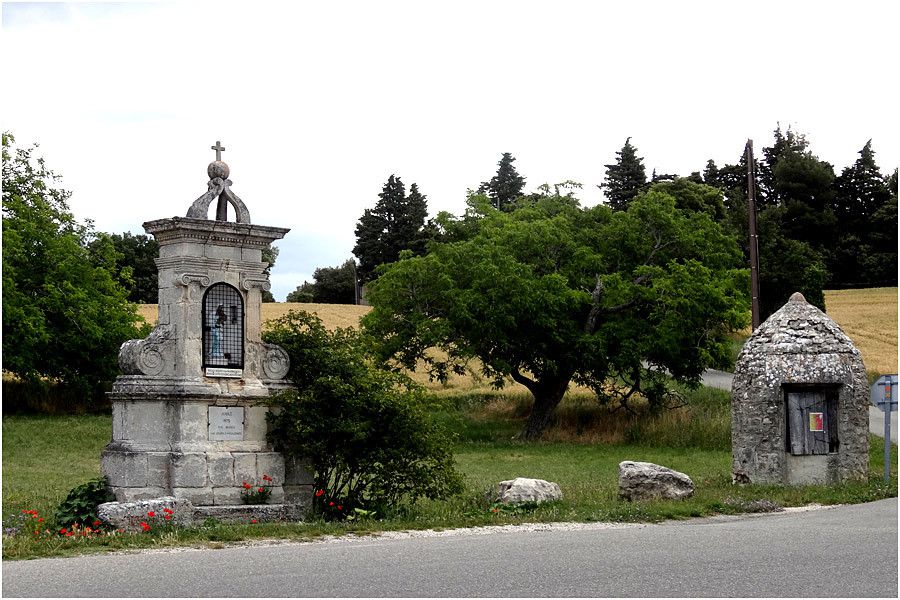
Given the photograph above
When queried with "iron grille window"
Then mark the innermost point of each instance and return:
(223, 327)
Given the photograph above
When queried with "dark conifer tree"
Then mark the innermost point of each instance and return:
(865, 252)
(506, 185)
(625, 179)
(395, 224)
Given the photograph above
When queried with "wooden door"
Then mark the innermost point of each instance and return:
(808, 422)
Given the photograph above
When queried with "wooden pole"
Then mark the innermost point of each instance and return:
(754, 239)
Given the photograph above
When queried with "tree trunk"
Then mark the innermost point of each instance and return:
(547, 396)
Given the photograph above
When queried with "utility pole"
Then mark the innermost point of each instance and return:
(754, 239)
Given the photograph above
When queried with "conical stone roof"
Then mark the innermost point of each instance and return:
(798, 327)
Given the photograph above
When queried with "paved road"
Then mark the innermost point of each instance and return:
(842, 551)
(722, 380)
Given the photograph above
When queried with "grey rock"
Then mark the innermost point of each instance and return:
(130, 515)
(644, 481)
(523, 489)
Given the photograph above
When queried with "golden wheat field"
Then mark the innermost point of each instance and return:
(868, 317)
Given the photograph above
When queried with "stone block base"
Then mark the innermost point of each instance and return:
(247, 513)
(203, 478)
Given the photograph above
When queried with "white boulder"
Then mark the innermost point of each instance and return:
(643, 481)
(522, 489)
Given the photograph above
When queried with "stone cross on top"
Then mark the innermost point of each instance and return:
(219, 187)
(218, 148)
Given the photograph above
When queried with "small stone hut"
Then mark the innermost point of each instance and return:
(799, 402)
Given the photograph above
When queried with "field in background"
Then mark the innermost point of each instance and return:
(868, 317)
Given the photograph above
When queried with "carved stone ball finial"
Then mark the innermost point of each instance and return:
(796, 297)
(219, 169)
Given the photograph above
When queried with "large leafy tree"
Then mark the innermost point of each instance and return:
(335, 285)
(396, 223)
(625, 179)
(506, 185)
(138, 253)
(553, 293)
(65, 313)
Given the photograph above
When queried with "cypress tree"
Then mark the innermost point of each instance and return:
(394, 225)
(506, 185)
(625, 179)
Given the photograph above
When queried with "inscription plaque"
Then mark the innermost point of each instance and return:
(226, 423)
(223, 372)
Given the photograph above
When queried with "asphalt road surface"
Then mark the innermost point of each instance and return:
(840, 552)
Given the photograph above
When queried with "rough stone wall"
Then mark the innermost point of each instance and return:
(797, 345)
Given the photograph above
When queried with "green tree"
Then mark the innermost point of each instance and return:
(553, 293)
(785, 144)
(138, 252)
(506, 186)
(804, 187)
(396, 223)
(865, 251)
(625, 179)
(786, 266)
(363, 431)
(269, 255)
(303, 293)
(65, 315)
(335, 285)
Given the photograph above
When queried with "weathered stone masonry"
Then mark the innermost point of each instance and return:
(799, 402)
(161, 442)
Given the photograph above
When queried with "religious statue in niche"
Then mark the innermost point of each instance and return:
(223, 327)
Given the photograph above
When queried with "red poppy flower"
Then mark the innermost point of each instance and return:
(69, 534)
(260, 490)
(97, 523)
(247, 486)
(319, 493)
(340, 507)
(331, 504)
(168, 511)
(151, 514)
(145, 526)
(63, 530)
(254, 521)
(41, 520)
(168, 517)
(266, 478)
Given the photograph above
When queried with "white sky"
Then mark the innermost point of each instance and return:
(317, 103)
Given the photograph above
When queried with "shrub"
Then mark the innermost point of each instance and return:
(80, 506)
(363, 431)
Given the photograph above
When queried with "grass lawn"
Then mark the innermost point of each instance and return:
(44, 457)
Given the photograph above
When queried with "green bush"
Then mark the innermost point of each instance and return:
(363, 431)
(80, 506)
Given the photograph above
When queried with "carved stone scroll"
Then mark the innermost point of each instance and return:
(188, 278)
(276, 362)
(256, 281)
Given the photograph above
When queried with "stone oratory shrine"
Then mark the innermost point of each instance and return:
(189, 407)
